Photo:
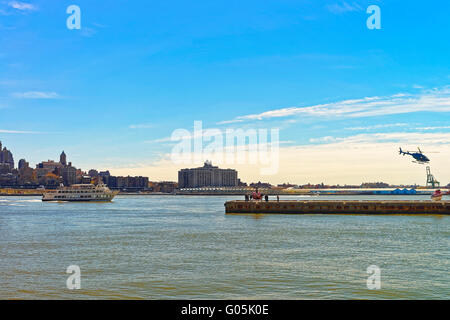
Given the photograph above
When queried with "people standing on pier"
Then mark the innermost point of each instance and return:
(278, 198)
(256, 195)
(266, 197)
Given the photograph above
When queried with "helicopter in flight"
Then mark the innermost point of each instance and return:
(419, 157)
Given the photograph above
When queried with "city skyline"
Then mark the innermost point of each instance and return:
(207, 175)
(344, 97)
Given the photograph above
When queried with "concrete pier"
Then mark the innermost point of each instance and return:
(339, 207)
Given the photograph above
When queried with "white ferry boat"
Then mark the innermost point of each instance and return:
(80, 192)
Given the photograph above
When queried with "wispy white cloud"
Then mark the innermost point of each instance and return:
(326, 139)
(378, 126)
(436, 100)
(433, 128)
(19, 132)
(230, 121)
(22, 6)
(343, 7)
(141, 126)
(396, 137)
(36, 95)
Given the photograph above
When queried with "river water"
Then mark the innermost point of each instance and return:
(185, 247)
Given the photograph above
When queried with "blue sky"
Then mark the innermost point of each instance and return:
(138, 70)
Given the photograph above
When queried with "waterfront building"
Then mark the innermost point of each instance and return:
(42, 172)
(132, 183)
(46, 167)
(26, 175)
(104, 176)
(93, 173)
(207, 176)
(69, 174)
(112, 182)
(8, 179)
(163, 186)
(50, 180)
(50, 165)
(5, 168)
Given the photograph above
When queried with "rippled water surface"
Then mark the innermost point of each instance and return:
(164, 247)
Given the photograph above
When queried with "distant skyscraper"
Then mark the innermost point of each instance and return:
(63, 159)
(22, 164)
(6, 156)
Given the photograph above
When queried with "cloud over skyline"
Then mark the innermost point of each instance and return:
(436, 100)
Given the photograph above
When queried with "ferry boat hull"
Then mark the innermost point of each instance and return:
(78, 200)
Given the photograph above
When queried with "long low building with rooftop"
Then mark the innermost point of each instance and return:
(207, 176)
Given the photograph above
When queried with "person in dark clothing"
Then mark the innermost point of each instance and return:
(266, 197)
